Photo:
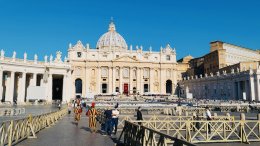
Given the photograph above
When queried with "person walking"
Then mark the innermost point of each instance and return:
(115, 115)
(209, 118)
(92, 114)
(108, 122)
(77, 112)
(139, 115)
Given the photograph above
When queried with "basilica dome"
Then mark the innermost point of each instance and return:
(111, 40)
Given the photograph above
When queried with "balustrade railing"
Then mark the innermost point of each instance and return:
(14, 131)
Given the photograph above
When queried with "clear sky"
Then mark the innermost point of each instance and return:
(44, 26)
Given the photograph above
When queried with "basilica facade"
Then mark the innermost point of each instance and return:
(112, 67)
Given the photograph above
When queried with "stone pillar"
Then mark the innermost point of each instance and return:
(1, 83)
(49, 96)
(130, 80)
(151, 80)
(138, 80)
(141, 81)
(110, 80)
(238, 90)
(22, 86)
(121, 80)
(98, 91)
(252, 88)
(10, 94)
(87, 81)
(33, 80)
(258, 87)
(113, 79)
(64, 89)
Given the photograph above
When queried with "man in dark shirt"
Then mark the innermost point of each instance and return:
(108, 124)
(139, 115)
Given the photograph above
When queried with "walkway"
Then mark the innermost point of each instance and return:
(66, 133)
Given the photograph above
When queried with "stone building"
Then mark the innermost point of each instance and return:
(237, 85)
(113, 66)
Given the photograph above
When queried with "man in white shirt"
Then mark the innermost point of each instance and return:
(209, 117)
(115, 115)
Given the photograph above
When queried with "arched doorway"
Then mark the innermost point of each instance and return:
(78, 86)
(168, 87)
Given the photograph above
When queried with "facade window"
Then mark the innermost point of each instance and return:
(126, 73)
(105, 56)
(146, 73)
(117, 89)
(104, 72)
(79, 54)
(134, 73)
(168, 57)
(134, 90)
(156, 58)
(117, 56)
(134, 57)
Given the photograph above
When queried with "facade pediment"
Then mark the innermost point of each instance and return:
(126, 59)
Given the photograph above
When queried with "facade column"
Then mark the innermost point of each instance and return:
(151, 80)
(110, 80)
(252, 88)
(1, 83)
(113, 79)
(130, 80)
(138, 80)
(10, 94)
(98, 80)
(121, 80)
(87, 81)
(22, 86)
(141, 81)
(49, 97)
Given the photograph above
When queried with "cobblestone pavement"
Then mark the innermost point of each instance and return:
(66, 133)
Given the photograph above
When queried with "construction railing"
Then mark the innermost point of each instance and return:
(139, 135)
(203, 131)
(14, 131)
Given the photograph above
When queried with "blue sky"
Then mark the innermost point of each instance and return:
(44, 26)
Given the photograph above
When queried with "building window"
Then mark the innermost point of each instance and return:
(168, 57)
(79, 54)
(134, 90)
(105, 56)
(117, 56)
(117, 89)
(156, 58)
(134, 57)
(104, 72)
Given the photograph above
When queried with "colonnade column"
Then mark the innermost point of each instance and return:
(34, 79)
(120, 80)
(64, 88)
(49, 97)
(22, 86)
(238, 90)
(258, 86)
(1, 83)
(252, 88)
(10, 94)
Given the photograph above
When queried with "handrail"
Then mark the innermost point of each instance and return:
(195, 131)
(135, 135)
(14, 131)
